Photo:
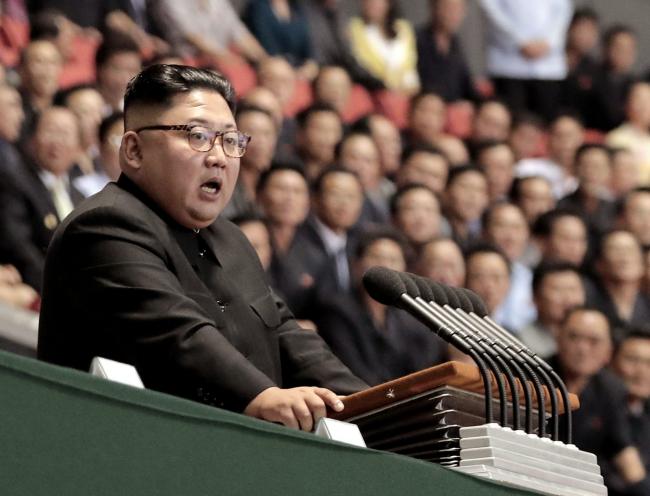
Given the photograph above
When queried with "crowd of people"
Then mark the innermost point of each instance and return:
(372, 143)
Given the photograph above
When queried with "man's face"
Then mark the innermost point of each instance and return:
(264, 137)
(192, 187)
(276, 74)
(565, 137)
(593, 169)
(449, 14)
(632, 363)
(558, 292)
(467, 196)
(427, 119)
(536, 198)
(323, 130)
(418, 215)
(488, 276)
(567, 241)
(426, 168)
(638, 105)
(360, 155)
(383, 252)
(584, 344)
(115, 74)
(621, 52)
(509, 231)
(41, 68)
(388, 141)
(88, 106)
(338, 204)
(492, 122)
(334, 86)
(285, 198)
(636, 216)
(626, 173)
(498, 163)
(12, 114)
(622, 258)
(56, 140)
(443, 262)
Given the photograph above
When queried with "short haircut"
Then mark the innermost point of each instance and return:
(633, 332)
(587, 147)
(244, 108)
(44, 25)
(488, 213)
(456, 172)
(549, 268)
(347, 137)
(528, 119)
(158, 84)
(276, 167)
(404, 190)
(484, 145)
(622, 204)
(482, 247)
(417, 98)
(61, 96)
(615, 30)
(332, 169)
(599, 249)
(545, 223)
(377, 232)
(113, 45)
(517, 184)
(423, 148)
(303, 117)
(107, 123)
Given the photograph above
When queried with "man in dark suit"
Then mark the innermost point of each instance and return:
(146, 272)
(36, 194)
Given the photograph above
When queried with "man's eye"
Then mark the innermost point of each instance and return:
(199, 136)
(230, 140)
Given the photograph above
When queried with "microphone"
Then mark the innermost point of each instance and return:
(388, 288)
(421, 291)
(479, 314)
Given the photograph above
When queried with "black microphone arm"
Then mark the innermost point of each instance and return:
(386, 286)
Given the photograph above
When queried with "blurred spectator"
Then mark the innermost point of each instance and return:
(593, 171)
(36, 197)
(257, 233)
(626, 174)
(336, 206)
(88, 105)
(328, 44)
(442, 66)
(600, 426)
(118, 61)
(133, 19)
(283, 195)
(634, 214)
(319, 131)
(265, 99)
(488, 275)
(260, 125)
(525, 52)
(415, 211)
(526, 136)
(465, 198)
(389, 142)
(10, 127)
(633, 134)
(497, 161)
(13, 291)
(14, 25)
(190, 28)
(566, 134)
(358, 153)
(276, 74)
(333, 86)
(533, 195)
(557, 288)
(385, 45)
(40, 68)
(282, 29)
(426, 165)
(377, 342)
(617, 291)
(632, 364)
(612, 80)
(107, 163)
(442, 261)
(562, 236)
(492, 121)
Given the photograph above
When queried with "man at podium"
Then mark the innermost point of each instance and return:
(147, 273)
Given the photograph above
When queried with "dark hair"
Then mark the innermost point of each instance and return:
(332, 169)
(548, 268)
(305, 115)
(546, 222)
(615, 30)
(44, 25)
(584, 14)
(371, 235)
(266, 175)
(456, 172)
(113, 45)
(244, 108)
(159, 83)
(621, 205)
(486, 247)
(422, 148)
(600, 245)
(107, 123)
(404, 190)
(517, 183)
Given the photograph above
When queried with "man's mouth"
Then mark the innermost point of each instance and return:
(211, 187)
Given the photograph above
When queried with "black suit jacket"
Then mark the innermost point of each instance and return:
(124, 281)
(27, 220)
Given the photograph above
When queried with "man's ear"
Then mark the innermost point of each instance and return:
(130, 151)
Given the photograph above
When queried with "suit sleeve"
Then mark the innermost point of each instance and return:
(126, 286)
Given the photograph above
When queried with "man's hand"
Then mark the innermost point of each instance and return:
(534, 49)
(297, 408)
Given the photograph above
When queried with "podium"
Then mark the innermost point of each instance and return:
(438, 415)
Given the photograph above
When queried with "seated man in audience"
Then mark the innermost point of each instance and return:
(492, 121)
(442, 261)
(533, 194)
(561, 235)
(634, 214)
(334, 87)
(465, 199)
(415, 211)
(117, 60)
(497, 160)
(35, 197)
(426, 165)
(189, 306)
(626, 172)
(599, 425)
(557, 288)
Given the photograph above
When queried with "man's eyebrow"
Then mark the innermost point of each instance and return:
(210, 124)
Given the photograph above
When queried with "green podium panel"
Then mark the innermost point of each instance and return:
(64, 432)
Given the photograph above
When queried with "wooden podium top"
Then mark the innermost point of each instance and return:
(457, 374)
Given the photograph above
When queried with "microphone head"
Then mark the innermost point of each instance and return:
(439, 296)
(477, 303)
(412, 288)
(465, 302)
(384, 285)
(453, 300)
(423, 287)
